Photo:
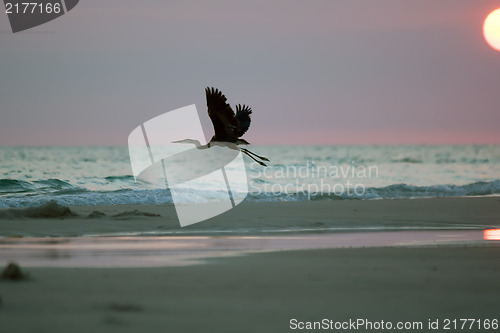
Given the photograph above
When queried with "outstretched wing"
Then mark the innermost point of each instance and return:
(243, 113)
(226, 125)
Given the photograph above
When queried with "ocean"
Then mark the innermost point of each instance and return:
(31, 176)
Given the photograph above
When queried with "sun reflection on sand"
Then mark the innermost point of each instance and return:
(492, 234)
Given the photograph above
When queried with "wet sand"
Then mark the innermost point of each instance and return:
(261, 292)
(254, 218)
(415, 281)
(93, 252)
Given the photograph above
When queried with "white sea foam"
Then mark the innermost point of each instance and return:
(30, 176)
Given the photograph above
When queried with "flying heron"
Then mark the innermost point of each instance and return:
(228, 126)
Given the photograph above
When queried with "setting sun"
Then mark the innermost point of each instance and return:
(491, 29)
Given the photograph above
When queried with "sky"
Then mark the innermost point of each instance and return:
(314, 72)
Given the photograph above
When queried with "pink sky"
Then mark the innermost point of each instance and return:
(316, 72)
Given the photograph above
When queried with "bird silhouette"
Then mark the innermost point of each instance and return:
(229, 127)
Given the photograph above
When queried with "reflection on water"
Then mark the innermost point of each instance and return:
(492, 234)
(180, 251)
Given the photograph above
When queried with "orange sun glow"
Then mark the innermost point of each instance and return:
(492, 234)
(491, 29)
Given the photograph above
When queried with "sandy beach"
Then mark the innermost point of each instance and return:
(256, 218)
(261, 292)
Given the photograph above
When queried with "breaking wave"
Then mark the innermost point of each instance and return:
(162, 196)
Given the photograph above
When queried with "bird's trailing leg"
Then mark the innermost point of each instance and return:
(258, 156)
(253, 158)
(247, 152)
